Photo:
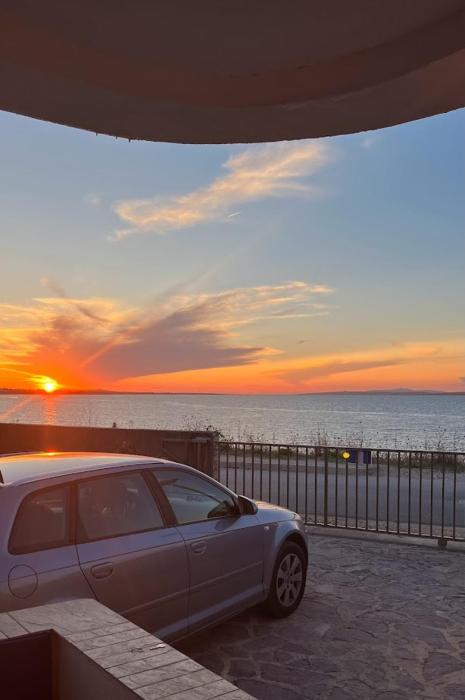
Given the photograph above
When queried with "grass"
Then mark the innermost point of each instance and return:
(270, 456)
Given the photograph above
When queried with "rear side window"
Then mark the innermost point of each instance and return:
(116, 505)
(194, 499)
(42, 521)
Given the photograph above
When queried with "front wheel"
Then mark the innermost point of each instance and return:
(288, 582)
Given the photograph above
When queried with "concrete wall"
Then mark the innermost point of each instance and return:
(26, 667)
(77, 676)
(97, 655)
(196, 449)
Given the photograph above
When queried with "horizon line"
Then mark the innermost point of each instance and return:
(90, 392)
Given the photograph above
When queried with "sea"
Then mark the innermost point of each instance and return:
(395, 421)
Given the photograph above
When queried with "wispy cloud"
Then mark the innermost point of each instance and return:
(301, 373)
(93, 198)
(245, 305)
(332, 367)
(61, 294)
(255, 173)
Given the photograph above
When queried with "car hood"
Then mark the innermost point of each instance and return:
(268, 513)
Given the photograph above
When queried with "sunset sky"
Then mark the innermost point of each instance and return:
(325, 265)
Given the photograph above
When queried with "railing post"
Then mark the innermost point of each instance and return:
(204, 455)
(325, 494)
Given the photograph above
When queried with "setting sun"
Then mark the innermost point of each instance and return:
(48, 384)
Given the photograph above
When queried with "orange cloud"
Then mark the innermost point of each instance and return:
(195, 342)
(426, 365)
(99, 342)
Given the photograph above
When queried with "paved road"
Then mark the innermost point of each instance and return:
(362, 493)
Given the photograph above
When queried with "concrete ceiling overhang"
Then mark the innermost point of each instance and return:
(217, 71)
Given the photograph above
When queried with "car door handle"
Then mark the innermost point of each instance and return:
(102, 570)
(199, 547)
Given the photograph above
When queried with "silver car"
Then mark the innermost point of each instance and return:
(159, 542)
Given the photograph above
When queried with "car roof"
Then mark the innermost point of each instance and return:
(25, 467)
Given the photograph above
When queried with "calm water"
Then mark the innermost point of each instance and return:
(431, 422)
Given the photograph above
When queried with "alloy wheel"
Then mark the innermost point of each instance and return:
(289, 580)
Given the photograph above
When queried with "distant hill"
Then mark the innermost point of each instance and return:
(92, 392)
(390, 392)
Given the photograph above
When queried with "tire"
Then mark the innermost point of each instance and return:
(288, 581)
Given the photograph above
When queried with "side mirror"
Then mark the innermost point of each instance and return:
(247, 506)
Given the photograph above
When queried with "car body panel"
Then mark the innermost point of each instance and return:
(226, 566)
(142, 576)
(29, 467)
(40, 577)
(268, 513)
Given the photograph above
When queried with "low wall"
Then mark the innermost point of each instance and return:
(33, 652)
(93, 653)
(194, 448)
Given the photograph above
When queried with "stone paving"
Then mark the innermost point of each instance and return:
(378, 621)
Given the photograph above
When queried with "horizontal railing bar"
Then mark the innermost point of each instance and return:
(402, 533)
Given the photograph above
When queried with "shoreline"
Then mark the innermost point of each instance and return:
(107, 392)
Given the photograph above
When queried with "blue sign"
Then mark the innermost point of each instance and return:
(359, 456)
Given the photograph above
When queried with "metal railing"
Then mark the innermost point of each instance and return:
(403, 492)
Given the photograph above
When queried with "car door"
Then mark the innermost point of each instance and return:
(38, 561)
(225, 548)
(134, 563)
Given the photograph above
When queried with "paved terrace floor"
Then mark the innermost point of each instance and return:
(378, 621)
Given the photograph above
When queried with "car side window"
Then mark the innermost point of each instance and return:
(192, 498)
(42, 521)
(115, 505)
